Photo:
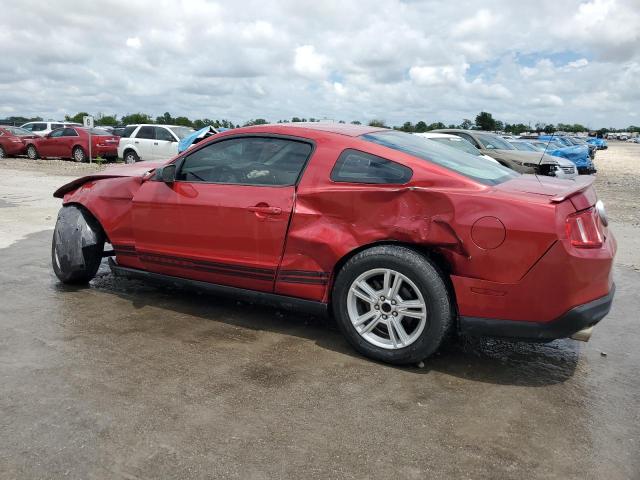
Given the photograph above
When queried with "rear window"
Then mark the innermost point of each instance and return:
(99, 132)
(147, 132)
(477, 168)
(17, 131)
(354, 166)
(458, 143)
(39, 127)
(493, 142)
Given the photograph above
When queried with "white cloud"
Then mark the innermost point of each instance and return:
(134, 42)
(396, 60)
(309, 63)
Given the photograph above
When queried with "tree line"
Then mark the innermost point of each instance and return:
(482, 121)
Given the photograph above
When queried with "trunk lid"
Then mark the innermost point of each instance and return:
(580, 190)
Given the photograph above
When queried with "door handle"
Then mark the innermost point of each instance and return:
(155, 143)
(265, 210)
(136, 141)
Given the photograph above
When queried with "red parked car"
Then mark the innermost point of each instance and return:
(13, 140)
(73, 142)
(402, 239)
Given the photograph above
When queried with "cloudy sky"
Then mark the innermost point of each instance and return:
(543, 61)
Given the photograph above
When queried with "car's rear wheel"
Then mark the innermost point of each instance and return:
(392, 304)
(32, 153)
(77, 245)
(131, 157)
(78, 154)
(3, 154)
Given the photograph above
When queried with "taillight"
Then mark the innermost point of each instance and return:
(582, 229)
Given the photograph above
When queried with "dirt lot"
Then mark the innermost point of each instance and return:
(124, 380)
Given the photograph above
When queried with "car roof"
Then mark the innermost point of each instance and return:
(437, 135)
(346, 129)
(153, 125)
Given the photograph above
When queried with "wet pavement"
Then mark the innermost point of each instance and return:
(125, 380)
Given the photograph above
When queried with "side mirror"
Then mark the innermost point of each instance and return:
(166, 174)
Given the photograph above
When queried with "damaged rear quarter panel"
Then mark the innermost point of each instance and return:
(436, 210)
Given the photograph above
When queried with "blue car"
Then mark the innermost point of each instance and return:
(578, 154)
(600, 143)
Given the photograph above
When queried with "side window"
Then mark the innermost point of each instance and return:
(69, 132)
(56, 125)
(247, 161)
(57, 133)
(28, 127)
(126, 133)
(147, 132)
(39, 127)
(164, 134)
(354, 166)
(469, 139)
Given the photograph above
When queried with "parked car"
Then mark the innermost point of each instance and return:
(566, 168)
(44, 128)
(578, 154)
(455, 142)
(600, 143)
(582, 141)
(505, 153)
(73, 142)
(403, 240)
(13, 140)
(151, 142)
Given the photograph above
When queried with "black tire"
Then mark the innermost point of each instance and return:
(131, 157)
(77, 245)
(3, 153)
(431, 284)
(78, 154)
(32, 153)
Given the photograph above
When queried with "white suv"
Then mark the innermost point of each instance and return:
(151, 142)
(42, 128)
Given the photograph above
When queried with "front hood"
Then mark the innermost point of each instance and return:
(134, 170)
(554, 188)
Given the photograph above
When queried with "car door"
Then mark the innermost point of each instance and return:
(51, 145)
(225, 218)
(144, 140)
(166, 144)
(68, 139)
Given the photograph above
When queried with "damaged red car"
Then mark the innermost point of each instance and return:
(403, 240)
(73, 142)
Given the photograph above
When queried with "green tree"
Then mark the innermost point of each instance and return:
(257, 121)
(165, 119)
(466, 124)
(77, 118)
(377, 123)
(436, 126)
(136, 118)
(407, 127)
(549, 128)
(108, 120)
(183, 121)
(356, 122)
(499, 125)
(421, 127)
(485, 121)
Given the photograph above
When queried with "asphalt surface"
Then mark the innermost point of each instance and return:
(124, 380)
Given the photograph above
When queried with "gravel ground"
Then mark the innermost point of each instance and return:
(618, 181)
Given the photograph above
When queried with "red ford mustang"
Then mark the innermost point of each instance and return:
(402, 239)
(13, 140)
(73, 142)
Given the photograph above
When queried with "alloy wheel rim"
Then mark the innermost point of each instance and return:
(31, 153)
(2, 154)
(78, 155)
(386, 308)
(129, 159)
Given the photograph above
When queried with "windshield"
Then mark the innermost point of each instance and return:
(182, 132)
(458, 143)
(17, 131)
(524, 146)
(477, 168)
(493, 142)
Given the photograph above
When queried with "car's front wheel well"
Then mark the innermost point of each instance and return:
(431, 253)
(90, 214)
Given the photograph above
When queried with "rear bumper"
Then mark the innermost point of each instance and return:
(576, 319)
